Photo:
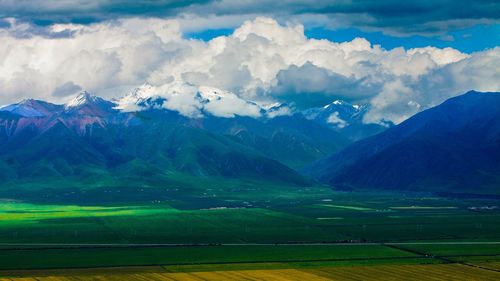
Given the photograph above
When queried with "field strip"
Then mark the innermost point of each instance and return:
(243, 244)
(383, 272)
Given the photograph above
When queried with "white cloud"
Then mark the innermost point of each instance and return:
(188, 100)
(336, 120)
(262, 61)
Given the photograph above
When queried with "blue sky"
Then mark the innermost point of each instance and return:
(468, 40)
(475, 38)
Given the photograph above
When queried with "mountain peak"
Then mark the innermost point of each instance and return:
(88, 104)
(342, 103)
(28, 102)
(31, 108)
(83, 98)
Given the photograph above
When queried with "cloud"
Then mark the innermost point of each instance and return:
(86, 11)
(401, 98)
(313, 86)
(262, 61)
(336, 120)
(188, 100)
(391, 16)
(96, 57)
(66, 89)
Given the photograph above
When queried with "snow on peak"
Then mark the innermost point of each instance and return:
(226, 104)
(342, 103)
(336, 102)
(212, 94)
(338, 114)
(140, 98)
(276, 109)
(188, 100)
(81, 99)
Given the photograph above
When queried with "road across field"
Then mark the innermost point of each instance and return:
(241, 244)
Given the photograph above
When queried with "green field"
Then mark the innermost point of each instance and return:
(295, 218)
(303, 228)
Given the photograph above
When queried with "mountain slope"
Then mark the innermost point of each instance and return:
(89, 139)
(292, 140)
(454, 147)
(32, 108)
(271, 129)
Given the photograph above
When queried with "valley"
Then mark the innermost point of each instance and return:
(89, 189)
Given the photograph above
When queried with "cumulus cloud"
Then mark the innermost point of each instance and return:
(313, 86)
(261, 62)
(96, 57)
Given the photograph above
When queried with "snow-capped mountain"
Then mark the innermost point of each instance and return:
(344, 117)
(272, 128)
(276, 109)
(86, 104)
(338, 114)
(141, 98)
(192, 102)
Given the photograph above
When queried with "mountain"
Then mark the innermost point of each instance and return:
(32, 108)
(89, 105)
(453, 148)
(272, 129)
(346, 119)
(290, 139)
(145, 140)
(88, 143)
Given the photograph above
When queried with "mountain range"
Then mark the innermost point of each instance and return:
(91, 142)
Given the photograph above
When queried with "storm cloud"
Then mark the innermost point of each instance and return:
(394, 17)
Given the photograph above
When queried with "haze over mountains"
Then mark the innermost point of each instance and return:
(139, 141)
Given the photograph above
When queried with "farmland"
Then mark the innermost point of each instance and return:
(377, 272)
(323, 234)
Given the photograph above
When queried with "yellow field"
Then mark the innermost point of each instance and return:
(386, 272)
(490, 265)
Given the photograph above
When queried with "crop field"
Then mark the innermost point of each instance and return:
(295, 218)
(379, 272)
(322, 235)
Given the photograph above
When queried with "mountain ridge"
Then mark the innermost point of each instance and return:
(455, 145)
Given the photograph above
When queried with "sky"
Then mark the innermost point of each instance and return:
(397, 57)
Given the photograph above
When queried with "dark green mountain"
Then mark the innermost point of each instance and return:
(292, 140)
(451, 148)
(149, 144)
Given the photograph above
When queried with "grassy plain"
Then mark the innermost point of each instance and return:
(302, 230)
